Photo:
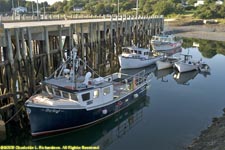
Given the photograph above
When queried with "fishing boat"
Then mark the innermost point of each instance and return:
(168, 60)
(188, 64)
(166, 63)
(165, 42)
(134, 57)
(104, 133)
(70, 100)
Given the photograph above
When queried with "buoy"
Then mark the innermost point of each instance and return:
(135, 95)
(104, 111)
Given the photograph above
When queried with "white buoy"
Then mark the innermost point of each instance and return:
(135, 95)
(104, 111)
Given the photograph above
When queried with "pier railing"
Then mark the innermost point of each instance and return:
(43, 17)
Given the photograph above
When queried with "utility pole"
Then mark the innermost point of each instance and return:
(137, 9)
(32, 4)
(118, 7)
(13, 10)
(44, 10)
(12, 4)
(37, 10)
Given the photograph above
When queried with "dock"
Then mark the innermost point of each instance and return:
(31, 50)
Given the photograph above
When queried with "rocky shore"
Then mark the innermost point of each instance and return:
(213, 138)
(209, 31)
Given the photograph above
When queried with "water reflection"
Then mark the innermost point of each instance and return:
(104, 133)
(181, 120)
(148, 70)
(207, 48)
(184, 77)
(161, 74)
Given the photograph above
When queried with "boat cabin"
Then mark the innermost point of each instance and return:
(163, 38)
(93, 94)
(136, 52)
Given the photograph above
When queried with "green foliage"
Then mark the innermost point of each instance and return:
(167, 7)
(207, 48)
(146, 7)
(210, 10)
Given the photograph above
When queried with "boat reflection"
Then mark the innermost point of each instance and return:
(160, 74)
(102, 134)
(184, 77)
(148, 70)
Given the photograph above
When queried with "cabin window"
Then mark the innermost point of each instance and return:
(96, 93)
(139, 52)
(65, 94)
(86, 96)
(57, 92)
(74, 97)
(106, 91)
(135, 51)
(145, 53)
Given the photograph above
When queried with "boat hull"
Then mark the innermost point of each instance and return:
(132, 63)
(46, 120)
(185, 67)
(163, 64)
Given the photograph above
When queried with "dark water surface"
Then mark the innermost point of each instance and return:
(172, 114)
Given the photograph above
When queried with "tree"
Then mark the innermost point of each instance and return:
(5, 6)
(164, 8)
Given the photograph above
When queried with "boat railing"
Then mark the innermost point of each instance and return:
(133, 80)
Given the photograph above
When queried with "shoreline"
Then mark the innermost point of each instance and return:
(212, 138)
(214, 32)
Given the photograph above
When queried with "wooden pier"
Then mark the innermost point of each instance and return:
(30, 51)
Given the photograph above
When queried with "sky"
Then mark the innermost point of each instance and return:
(49, 1)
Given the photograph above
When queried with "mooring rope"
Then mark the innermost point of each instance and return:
(6, 122)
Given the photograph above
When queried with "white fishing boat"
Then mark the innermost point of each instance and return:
(135, 57)
(168, 60)
(188, 64)
(166, 63)
(164, 42)
(71, 99)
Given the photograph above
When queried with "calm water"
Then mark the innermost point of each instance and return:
(172, 114)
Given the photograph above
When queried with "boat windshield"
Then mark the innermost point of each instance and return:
(54, 91)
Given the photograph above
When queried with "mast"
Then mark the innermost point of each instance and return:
(74, 61)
